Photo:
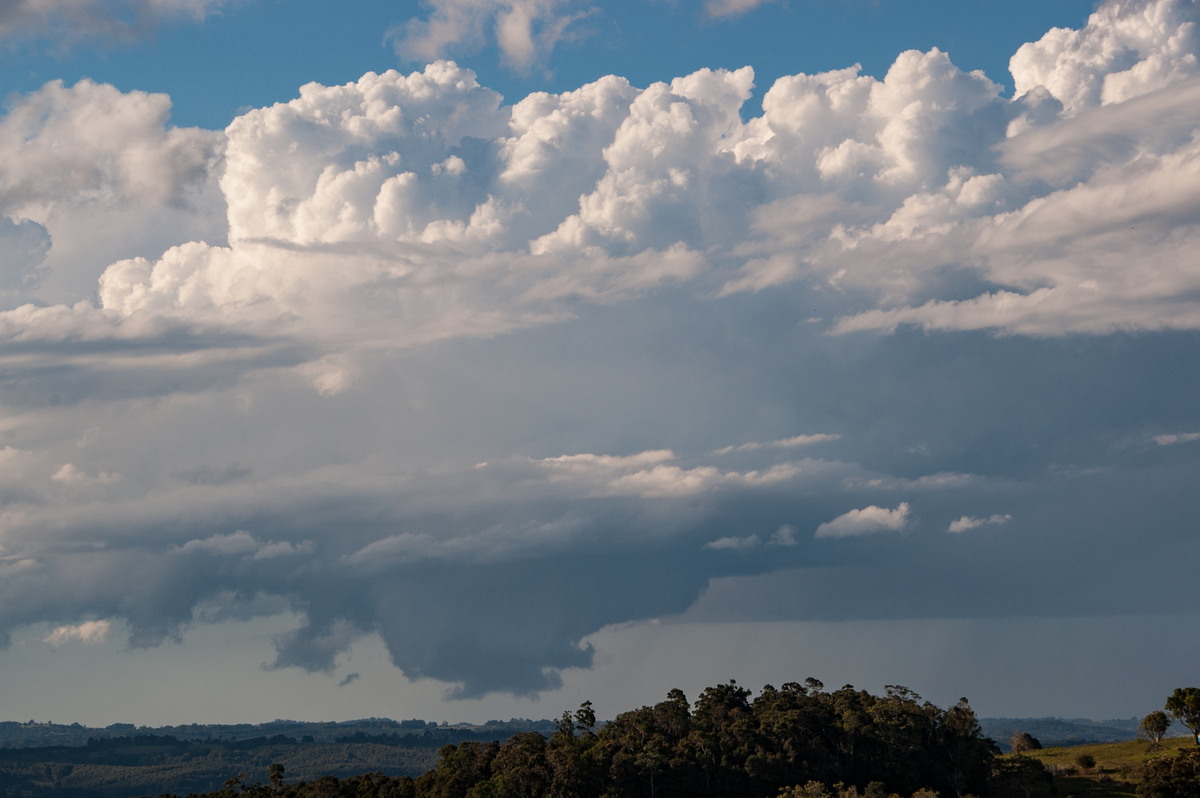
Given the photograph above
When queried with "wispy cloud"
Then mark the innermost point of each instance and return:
(725, 8)
(87, 632)
(526, 31)
(971, 522)
(74, 20)
(1176, 437)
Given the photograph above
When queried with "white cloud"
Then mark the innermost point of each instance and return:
(725, 8)
(1126, 49)
(866, 521)
(411, 209)
(526, 31)
(1176, 437)
(652, 475)
(970, 522)
(783, 443)
(91, 632)
(104, 176)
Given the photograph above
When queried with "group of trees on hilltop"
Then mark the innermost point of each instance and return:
(729, 744)
(796, 740)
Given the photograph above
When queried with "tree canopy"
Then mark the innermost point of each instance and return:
(1184, 706)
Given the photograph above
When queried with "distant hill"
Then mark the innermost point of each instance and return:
(1062, 731)
(73, 761)
(34, 734)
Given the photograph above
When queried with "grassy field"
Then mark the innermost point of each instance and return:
(1117, 766)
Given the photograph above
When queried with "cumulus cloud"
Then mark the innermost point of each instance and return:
(100, 174)
(970, 522)
(424, 208)
(1127, 48)
(866, 521)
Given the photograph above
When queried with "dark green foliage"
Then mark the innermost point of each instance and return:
(1085, 761)
(848, 743)
(1021, 777)
(1154, 726)
(1184, 706)
(1172, 776)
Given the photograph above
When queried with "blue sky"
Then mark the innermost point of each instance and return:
(595, 351)
(257, 52)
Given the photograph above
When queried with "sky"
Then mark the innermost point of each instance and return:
(470, 359)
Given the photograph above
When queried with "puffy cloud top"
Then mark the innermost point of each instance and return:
(1128, 48)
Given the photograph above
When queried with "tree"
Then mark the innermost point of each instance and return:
(1021, 775)
(1154, 725)
(966, 755)
(1184, 705)
(1020, 742)
(1172, 776)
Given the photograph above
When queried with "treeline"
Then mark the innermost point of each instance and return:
(414, 732)
(797, 740)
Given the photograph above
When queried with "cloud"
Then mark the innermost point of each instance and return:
(866, 521)
(970, 522)
(90, 632)
(726, 8)
(70, 474)
(1176, 437)
(414, 358)
(1125, 50)
(784, 536)
(733, 543)
(242, 542)
(25, 244)
(783, 443)
(69, 21)
(100, 174)
(526, 31)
